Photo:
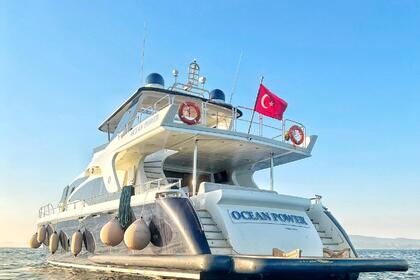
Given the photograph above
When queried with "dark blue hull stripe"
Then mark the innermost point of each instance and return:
(265, 267)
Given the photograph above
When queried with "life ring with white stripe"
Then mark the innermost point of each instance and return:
(189, 113)
(296, 135)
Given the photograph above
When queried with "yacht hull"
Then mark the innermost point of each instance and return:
(180, 249)
(238, 267)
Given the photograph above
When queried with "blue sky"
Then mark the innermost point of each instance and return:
(350, 72)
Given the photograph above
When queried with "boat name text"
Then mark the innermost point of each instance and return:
(251, 216)
(145, 124)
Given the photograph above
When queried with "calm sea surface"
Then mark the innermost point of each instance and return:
(30, 264)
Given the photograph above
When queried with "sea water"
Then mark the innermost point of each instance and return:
(19, 263)
(411, 256)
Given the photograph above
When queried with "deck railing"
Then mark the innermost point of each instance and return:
(218, 117)
(316, 199)
(158, 184)
(146, 112)
(46, 210)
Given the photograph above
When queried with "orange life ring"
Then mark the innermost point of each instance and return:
(292, 134)
(185, 108)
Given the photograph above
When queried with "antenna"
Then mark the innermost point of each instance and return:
(142, 52)
(235, 80)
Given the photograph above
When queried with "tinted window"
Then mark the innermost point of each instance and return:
(65, 194)
(75, 184)
(91, 191)
(128, 115)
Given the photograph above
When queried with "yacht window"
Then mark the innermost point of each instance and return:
(75, 184)
(65, 194)
(128, 115)
(93, 190)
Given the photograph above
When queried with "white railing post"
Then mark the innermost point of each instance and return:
(282, 130)
(204, 110)
(231, 122)
(234, 121)
(194, 181)
(271, 172)
(260, 124)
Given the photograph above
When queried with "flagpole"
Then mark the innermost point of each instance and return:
(253, 111)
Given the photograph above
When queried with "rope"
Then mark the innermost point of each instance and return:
(125, 214)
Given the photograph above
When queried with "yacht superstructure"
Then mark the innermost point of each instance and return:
(175, 181)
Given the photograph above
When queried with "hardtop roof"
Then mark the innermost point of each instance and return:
(110, 124)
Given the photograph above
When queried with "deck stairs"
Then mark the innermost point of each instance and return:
(153, 170)
(153, 166)
(219, 245)
(326, 238)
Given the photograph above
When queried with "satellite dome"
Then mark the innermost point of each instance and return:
(155, 80)
(217, 95)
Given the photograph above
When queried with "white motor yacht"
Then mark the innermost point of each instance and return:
(172, 194)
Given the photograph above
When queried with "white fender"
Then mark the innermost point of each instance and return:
(53, 242)
(137, 235)
(111, 233)
(76, 243)
(33, 242)
(41, 233)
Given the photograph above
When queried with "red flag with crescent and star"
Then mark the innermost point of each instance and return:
(269, 104)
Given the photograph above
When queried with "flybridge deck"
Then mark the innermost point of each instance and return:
(196, 129)
(221, 131)
(223, 140)
(111, 123)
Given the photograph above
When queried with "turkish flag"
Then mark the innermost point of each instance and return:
(269, 104)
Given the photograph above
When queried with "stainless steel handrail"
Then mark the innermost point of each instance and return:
(225, 122)
(316, 199)
(158, 184)
(49, 209)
